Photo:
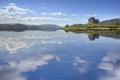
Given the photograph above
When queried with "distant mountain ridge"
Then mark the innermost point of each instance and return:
(22, 27)
(48, 27)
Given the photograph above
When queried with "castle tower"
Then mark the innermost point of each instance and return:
(93, 20)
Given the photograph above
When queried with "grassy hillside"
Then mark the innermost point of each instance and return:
(112, 21)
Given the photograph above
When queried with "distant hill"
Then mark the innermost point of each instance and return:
(22, 27)
(112, 21)
(48, 27)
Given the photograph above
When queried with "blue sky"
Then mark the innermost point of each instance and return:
(60, 12)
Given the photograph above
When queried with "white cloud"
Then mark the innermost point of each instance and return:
(18, 14)
(34, 18)
(116, 16)
(54, 13)
(44, 13)
(13, 10)
(80, 64)
(19, 18)
(39, 18)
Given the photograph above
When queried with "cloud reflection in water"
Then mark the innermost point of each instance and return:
(16, 42)
(13, 70)
(12, 44)
(111, 64)
(80, 64)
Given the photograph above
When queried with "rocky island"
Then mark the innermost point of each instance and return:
(94, 28)
(95, 24)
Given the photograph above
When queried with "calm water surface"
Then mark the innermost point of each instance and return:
(57, 55)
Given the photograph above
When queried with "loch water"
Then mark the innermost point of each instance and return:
(59, 55)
